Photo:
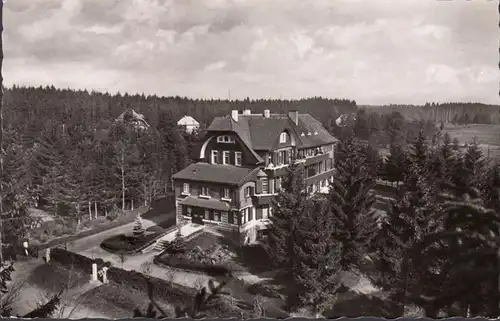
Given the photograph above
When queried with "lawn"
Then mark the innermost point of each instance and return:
(128, 244)
(485, 134)
(119, 301)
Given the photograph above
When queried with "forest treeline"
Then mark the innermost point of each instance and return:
(66, 154)
(436, 249)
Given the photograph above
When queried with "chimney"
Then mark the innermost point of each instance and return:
(266, 113)
(294, 116)
(234, 115)
(247, 112)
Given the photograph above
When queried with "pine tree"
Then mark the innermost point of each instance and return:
(351, 202)
(395, 162)
(402, 270)
(467, 246)
(316, 259)
(474, 166)
(491, 188)
(288, 203)
(138, 230)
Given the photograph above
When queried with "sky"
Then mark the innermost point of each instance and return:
(371, 51)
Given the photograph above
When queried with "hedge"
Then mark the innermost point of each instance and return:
(125, 244)
(70, 260)
(182, 262)
(172, 293)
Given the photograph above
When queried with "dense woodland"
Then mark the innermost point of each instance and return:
(65, 153)
(436, 249)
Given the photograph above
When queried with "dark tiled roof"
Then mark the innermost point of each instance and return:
(260, 133)
(225, 174)
(309, 124)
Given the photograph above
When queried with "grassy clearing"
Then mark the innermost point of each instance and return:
(117, 301)
(485, 134)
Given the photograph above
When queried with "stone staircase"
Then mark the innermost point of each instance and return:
(187, 230)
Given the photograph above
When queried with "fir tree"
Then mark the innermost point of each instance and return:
(467, 246)
(288, 203)
(316, 259)
(351, 202)
(491, 188)
(394, 167)
(138, 230)
(473, 166)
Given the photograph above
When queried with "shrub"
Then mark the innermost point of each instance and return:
(174, 294)
(70, 260)
(182, 262)
(128, 244)
(138, 230)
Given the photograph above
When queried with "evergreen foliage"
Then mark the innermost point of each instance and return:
(286, 207)
(351, 204)
(138, 229)
(316, 259)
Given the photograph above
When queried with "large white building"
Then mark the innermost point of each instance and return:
(188, 123)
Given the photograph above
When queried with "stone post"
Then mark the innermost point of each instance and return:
(104, 275)
(47, 255)
(25, 245)
(94, 272)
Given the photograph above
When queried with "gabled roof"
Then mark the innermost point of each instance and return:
(227, 124)
(132, 115)
(225, 174)
(188, 121)
(260, 133)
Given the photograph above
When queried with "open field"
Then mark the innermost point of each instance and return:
(487, 136)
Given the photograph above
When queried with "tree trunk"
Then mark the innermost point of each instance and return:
(78, 214)
(1, 132)
(132, 206)
(123, 180)
(95, 209)
(90, 210)
(405, 284)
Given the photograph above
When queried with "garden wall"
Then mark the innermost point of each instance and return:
(160, 289)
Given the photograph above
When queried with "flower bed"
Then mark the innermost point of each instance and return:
(184, 263)
(129, 244)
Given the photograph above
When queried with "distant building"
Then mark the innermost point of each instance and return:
(188, 123)
(133, 118)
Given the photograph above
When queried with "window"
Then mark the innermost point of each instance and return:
(185, 188)
(188, 210)
(283, 137)
(207, 214)
(237, 158)
(204, 191)
(265, 186)
(322, 166)
(225, 193)
(225, 160)
(225, 139)
(217, 216)
(281, 157)
(215, 155)
(243, 216)
(248, 191)
(277, 184)
(265, 212)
